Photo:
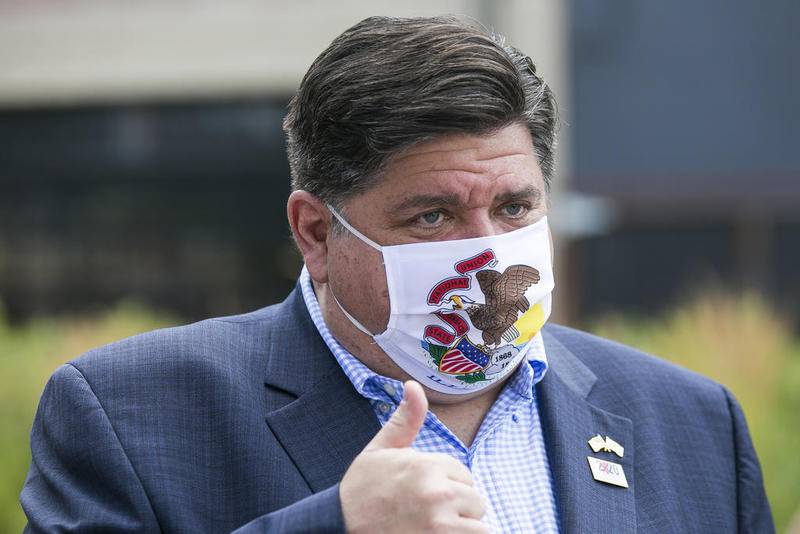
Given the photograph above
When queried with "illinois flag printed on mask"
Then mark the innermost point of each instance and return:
(463, 312)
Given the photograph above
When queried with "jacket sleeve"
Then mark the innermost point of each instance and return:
(319, 513)
(80, 478)
(753, 511)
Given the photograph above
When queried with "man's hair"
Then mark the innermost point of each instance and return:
(388, 83)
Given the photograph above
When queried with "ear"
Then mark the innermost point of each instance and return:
(309, 219)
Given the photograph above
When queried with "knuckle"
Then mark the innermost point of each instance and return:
(441, 524)
(441, 457)
(456, 465)
(477, 508)
(427, 460)
(448, 463)
(467, 475)
(421, 465)
(437, 493)
(476, 497)
(414, 462)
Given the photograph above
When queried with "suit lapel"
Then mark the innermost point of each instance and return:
(569, 420)
(328, 423)
(324, 430)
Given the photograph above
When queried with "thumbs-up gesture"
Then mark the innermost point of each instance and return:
(391, 488)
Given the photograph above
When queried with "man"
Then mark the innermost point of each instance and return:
(407, 384)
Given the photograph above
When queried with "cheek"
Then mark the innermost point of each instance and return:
(358, 279)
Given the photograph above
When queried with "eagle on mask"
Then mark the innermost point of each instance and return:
(505, 299)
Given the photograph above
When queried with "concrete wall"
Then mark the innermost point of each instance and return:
(100, 50)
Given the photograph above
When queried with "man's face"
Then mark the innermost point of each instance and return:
(453, 187)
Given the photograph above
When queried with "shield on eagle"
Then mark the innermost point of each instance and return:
(464, 358)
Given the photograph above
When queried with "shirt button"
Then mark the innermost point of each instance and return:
(384, 408)
(388, 388)
(514, 417)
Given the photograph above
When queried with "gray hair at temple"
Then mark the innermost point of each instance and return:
(386, 84)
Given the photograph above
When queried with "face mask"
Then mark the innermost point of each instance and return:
(463, 312)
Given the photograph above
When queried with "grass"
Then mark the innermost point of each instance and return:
(737, 340)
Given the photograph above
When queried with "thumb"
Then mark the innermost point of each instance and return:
(402, 428)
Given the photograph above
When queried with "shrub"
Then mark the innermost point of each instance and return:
(28, 356)
(741, 342)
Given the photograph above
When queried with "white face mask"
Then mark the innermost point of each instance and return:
(463, 312)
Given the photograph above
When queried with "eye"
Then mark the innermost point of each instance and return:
(514, 210)
(431, 218)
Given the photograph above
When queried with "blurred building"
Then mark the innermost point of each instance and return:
(686, 117)
(141, 150)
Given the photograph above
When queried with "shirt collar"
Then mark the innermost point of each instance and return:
(371, 385)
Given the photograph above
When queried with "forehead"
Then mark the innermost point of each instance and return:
(473, 168)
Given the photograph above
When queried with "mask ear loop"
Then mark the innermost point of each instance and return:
(369, 242)
(352, 319)
(352, 230)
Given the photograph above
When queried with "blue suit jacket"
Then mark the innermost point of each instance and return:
(248, 422)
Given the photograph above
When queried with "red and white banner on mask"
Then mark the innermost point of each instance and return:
(457, 326)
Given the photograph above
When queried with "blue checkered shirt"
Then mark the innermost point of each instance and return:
(507, 457)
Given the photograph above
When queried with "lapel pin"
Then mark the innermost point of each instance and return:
(598, 443)
(608, 472)
(613, 446)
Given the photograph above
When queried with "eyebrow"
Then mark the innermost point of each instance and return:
(425, 201)
(531, 192)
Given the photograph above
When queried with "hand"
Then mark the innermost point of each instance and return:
(391, 488)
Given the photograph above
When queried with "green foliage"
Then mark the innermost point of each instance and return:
(749, 347)
(472, 378)
(738, 341)
(436, 352)
(28, 356)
